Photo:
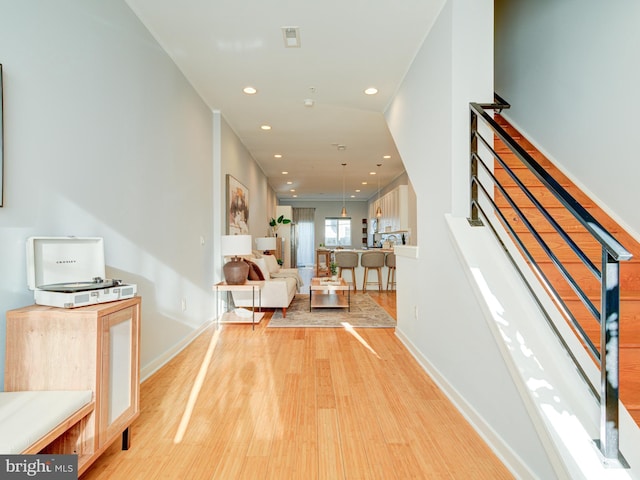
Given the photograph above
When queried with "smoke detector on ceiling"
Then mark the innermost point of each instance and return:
(291, 36)
(308, 102)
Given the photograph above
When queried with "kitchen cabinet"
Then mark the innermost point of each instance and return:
(89, 348)
(395, 210)
(365, 233)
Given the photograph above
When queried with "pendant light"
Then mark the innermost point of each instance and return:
(344, 209)
(378, 208)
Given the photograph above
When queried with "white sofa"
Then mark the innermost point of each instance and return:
(281, 285)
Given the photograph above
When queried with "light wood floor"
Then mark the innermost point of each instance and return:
(292, 403)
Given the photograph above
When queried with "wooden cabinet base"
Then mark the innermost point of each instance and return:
(89, 348)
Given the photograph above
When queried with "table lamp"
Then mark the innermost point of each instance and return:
(236, 270)
(266, 244)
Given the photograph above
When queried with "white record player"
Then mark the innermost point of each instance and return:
(68, 272)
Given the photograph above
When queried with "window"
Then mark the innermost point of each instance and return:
(337, 232)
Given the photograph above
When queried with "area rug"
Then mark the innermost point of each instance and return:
(365, 313)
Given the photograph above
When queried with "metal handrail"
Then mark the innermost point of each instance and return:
(579, 212)
(540, 273)
(608, 274)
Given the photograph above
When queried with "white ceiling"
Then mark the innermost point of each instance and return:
(345, 46)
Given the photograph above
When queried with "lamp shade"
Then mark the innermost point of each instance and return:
(235, 245)
(266, 243)
(236, 270)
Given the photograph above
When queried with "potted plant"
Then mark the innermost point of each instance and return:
(333, 266)
(275, 223)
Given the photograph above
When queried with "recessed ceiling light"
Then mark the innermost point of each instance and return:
(357, 190)
(277, 155)
(364, 183)
(250, 90)
(292, 190)
(371, 91)
(289, 183)
(295, 196)
(265, 127)
(372, 173)
(285, 173)
(387, 156)
(353, 196)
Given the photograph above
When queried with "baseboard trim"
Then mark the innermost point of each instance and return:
(510, 459)
(152, 367)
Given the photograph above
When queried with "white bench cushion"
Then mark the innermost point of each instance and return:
(25, 417)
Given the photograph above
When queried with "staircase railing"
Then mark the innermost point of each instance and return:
(607, 274)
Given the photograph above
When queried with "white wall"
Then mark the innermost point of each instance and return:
(570, 70)
(237, 161)
(438, 317)
(105, 137)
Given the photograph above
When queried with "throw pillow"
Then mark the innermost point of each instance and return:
(272, 263)
(254, 272)
(262, 264)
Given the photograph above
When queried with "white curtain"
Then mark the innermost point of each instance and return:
(304, 220)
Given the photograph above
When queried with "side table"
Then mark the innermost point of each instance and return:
(252, 285)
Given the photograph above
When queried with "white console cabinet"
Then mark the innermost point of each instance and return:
(89, 348)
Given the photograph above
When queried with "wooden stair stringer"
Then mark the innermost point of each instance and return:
(629, 271)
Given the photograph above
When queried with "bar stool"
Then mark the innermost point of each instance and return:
(390, 262)
(372, 261)
(348, 261)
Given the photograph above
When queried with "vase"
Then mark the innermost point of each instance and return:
(236, 271)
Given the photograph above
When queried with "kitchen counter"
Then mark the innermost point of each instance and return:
(362, 250)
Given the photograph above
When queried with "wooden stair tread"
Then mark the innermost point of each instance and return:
(630, 376)
(540, 193)
(587, 281)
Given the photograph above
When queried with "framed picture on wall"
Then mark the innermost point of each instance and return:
(237, 207)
